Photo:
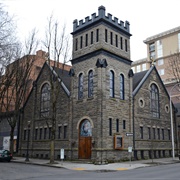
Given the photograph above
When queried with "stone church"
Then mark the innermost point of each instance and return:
(105, 112)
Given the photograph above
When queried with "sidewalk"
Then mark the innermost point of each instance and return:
(107, 167)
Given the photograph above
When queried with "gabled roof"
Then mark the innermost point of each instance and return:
(140, 78)
(63, 78)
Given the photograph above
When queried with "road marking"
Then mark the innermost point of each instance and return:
(78, 169)
(121, 169)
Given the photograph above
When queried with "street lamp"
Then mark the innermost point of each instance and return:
(27, 150)
(172, 129)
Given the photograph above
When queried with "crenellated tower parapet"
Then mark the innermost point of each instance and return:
(125, 27)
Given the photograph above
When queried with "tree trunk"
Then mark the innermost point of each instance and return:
(12, 140)
(52, 151)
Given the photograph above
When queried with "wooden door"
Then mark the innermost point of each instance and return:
(85, 134)
(84, 147)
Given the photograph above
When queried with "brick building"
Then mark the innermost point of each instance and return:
(103, 109)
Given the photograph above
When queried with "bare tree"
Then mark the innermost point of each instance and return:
(16, 84)
(8, 40)
(57, 44)
(174, 67)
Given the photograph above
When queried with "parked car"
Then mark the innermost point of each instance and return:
(5, 155)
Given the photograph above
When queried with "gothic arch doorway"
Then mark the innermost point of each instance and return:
(85, 138)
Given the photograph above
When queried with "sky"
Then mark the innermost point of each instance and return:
(146, 17)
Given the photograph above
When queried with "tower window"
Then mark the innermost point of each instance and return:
(126, 45)
(76, 44)
(86, 39)
(111, 36)
(90, 84)
(111, 79)
(92, 37)
(81, 42)
(106, 39)
(80, 90)
(121, 43)
(122, 86)
(110, 126)
(116, 40)
(117, 125)
(97, 35)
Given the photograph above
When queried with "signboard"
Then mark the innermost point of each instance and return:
(62, 153)
(129, 134)
(130, 149)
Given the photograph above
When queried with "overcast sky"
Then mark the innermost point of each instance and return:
(146, 17)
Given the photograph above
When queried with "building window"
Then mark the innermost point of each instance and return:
(81, 42)
(92, 37)
(80, 90)
(138, 68)
(162, 134)
(36, 134)
(158, 133)
(161, 72)
(152, 47)
(179, 41)
(152, 51)
(111, 38)
(45, 100)
(106, 34)
(116, 40)
(90, 84)
(141, 132)
(144, 67)
(126, 45)
(97, 35)
(59, 132)
(110, 126)
(133, 68)
(86, 39)
(160, 62)
(76, 44)
(121, 43)
(117, 125)
(65, 132)
(111, 79)
(124, 124)
(159, 49)
(154, 133)
(149, 133)
(154, 101)
(40, 133)
(122, 86)
(45, 132)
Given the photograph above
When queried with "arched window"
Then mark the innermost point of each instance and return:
(80, 90)
(90, 84)
(111, 80)
(85, 128)
(154, 100)
(121, 81)
(45, 100)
